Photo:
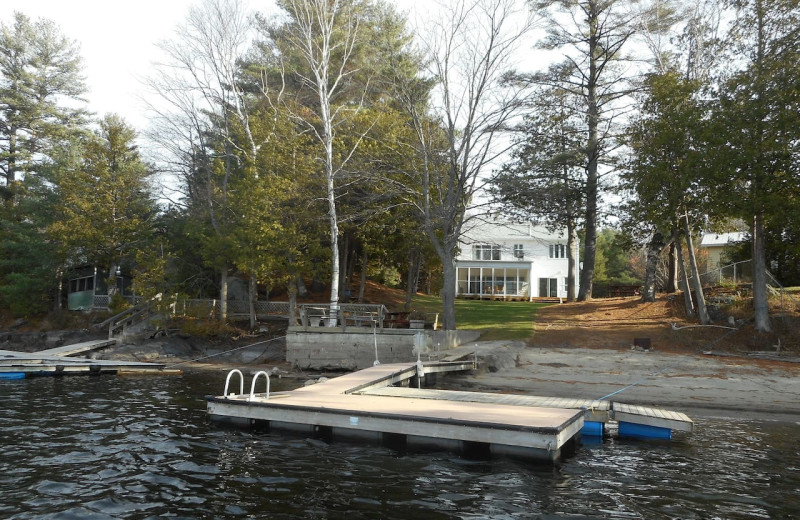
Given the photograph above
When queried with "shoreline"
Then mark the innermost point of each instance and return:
(702, 385)
(696, 384)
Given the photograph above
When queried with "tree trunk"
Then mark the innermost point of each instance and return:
(760, 297)
(687, 294)
(593, 153)
(59, 289)
(653, 256)
(344, 266)
(223, 294)
(302, 291)
(697, 284)
(351, 268)
(587, 274)
(112, 288)
(572, 262)
(363, 285)
(448, 292)
(412, 277)
(253, 293)
(672, 269)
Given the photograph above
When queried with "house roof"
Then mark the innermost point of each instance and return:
(722, 239)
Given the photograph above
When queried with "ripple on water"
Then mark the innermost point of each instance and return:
(112, 447)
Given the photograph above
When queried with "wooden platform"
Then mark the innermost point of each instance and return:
(341, 408)
(77, 348)
(594, 410)
(655, 417)
(57, 361)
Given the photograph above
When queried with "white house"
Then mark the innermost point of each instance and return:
(512, 262)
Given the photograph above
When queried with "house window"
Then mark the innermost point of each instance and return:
(519, 252)
(81, 284)
(485, 252)
(558, 251)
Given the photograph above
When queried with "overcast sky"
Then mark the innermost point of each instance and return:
(117, 42)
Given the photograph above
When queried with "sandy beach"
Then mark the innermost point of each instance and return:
(697, 384)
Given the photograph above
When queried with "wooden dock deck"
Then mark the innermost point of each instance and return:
(645, 421)
(76, 348)
(597, 410)
(339, 408)
(59, 361)
(594, 410)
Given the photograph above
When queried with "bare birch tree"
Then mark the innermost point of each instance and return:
(325, 35)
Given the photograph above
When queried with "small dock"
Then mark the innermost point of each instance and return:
(60, 361)
(384, 405)
(344, 408)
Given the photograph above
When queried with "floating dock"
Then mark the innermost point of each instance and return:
(59, 361)
(342, 408)
(381, 405)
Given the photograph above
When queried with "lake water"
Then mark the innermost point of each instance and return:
(117, 447)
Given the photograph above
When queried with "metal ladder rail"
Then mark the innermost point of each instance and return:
(253, 386)
(228, 380)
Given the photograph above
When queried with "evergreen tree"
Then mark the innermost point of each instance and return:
(40, 119)
(545, 180)
(40, 75)
(104, 208)
(595, 36)
(757, 128)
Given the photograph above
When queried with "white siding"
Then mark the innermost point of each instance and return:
(508, 274)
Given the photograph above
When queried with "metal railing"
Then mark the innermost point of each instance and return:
(735, 273)
(342, 316)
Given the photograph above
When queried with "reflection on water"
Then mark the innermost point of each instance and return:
(113, 447)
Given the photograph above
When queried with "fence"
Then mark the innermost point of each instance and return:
(199, 308)
(741, 273)
(103, 301)
(202, 308)
(735, 274)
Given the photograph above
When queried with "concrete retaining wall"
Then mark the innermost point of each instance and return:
(334, 350)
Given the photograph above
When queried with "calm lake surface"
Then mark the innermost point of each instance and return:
(118, 447)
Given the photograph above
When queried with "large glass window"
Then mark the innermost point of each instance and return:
(463, 280)
(475, 282)
(492, 281)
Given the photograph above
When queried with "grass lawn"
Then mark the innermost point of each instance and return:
(494, 319)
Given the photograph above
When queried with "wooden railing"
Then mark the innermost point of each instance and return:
(139, 313)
